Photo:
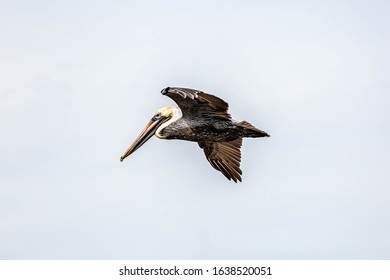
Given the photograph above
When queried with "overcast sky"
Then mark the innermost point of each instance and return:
(80, 79)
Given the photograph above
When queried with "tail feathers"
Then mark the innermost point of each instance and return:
(249, 130)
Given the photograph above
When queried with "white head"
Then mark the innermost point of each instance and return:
(174, 113)
(161, 119)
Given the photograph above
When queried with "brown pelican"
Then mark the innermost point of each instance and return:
(202, 118)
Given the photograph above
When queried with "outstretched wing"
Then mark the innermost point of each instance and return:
(195, 103)
(225, 157)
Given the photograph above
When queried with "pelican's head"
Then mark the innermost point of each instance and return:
(161, 119)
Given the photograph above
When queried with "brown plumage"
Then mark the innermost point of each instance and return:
(202, 118)
(195, 103)
(225, 157)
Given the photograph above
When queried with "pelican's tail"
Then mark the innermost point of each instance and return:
(249, 130)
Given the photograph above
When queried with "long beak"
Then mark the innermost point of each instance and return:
(145, 135)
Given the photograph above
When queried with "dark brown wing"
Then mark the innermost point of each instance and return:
(195, 103)
(225, 157)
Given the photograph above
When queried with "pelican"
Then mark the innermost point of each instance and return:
(203, 118)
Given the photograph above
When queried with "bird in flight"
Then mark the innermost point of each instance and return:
(203, 118)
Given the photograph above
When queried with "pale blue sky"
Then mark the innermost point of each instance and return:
(80, 79)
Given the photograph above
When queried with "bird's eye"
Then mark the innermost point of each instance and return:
(156, 117)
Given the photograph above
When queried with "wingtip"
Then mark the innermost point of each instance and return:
(237, 180)
(165, 90)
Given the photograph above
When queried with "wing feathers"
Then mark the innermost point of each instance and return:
(225, 157)
(194, 104)
(197, 103)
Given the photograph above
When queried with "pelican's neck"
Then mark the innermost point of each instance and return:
(176, 114)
